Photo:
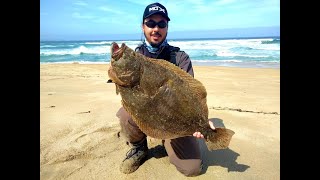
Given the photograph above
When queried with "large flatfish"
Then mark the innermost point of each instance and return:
(164, 101)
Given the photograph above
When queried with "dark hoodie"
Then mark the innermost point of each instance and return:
(171, 54)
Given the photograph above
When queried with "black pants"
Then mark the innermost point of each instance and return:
(183, 152)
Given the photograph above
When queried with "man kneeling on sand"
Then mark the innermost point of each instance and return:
(183, 152)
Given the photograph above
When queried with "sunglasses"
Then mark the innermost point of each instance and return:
(152, 24)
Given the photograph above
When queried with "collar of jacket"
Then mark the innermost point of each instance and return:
(155, 50)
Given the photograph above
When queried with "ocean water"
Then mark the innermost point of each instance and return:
(232, 52)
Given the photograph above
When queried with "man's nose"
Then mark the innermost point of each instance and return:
(156, 28)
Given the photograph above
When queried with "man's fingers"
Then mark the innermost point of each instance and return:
(198, 135)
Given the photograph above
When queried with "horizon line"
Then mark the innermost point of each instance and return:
(178, 38)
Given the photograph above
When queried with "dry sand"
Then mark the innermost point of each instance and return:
(78, 126)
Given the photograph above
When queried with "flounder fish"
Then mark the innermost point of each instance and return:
(163, 100)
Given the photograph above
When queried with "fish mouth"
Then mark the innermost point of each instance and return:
(116, 54)
(116, 51)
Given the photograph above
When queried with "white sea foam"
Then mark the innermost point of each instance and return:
(210, 51)
(220, 61)
(78, 50)
(100, 42)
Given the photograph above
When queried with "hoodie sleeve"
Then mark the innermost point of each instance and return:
(184, 62)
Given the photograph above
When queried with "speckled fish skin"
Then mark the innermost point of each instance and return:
(164, 101)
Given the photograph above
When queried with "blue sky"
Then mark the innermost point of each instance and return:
(107, 19)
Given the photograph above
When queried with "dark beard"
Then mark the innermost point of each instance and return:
(158, 44)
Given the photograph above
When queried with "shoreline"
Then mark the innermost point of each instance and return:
(263, 65)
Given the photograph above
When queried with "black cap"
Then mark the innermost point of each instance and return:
(155, 8)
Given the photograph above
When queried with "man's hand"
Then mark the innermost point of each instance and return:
(199, 135)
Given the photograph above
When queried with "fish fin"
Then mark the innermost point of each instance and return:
(219, 138)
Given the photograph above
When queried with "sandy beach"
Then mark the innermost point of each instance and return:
(78, 125)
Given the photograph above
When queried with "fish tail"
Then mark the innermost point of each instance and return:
(219, 138)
